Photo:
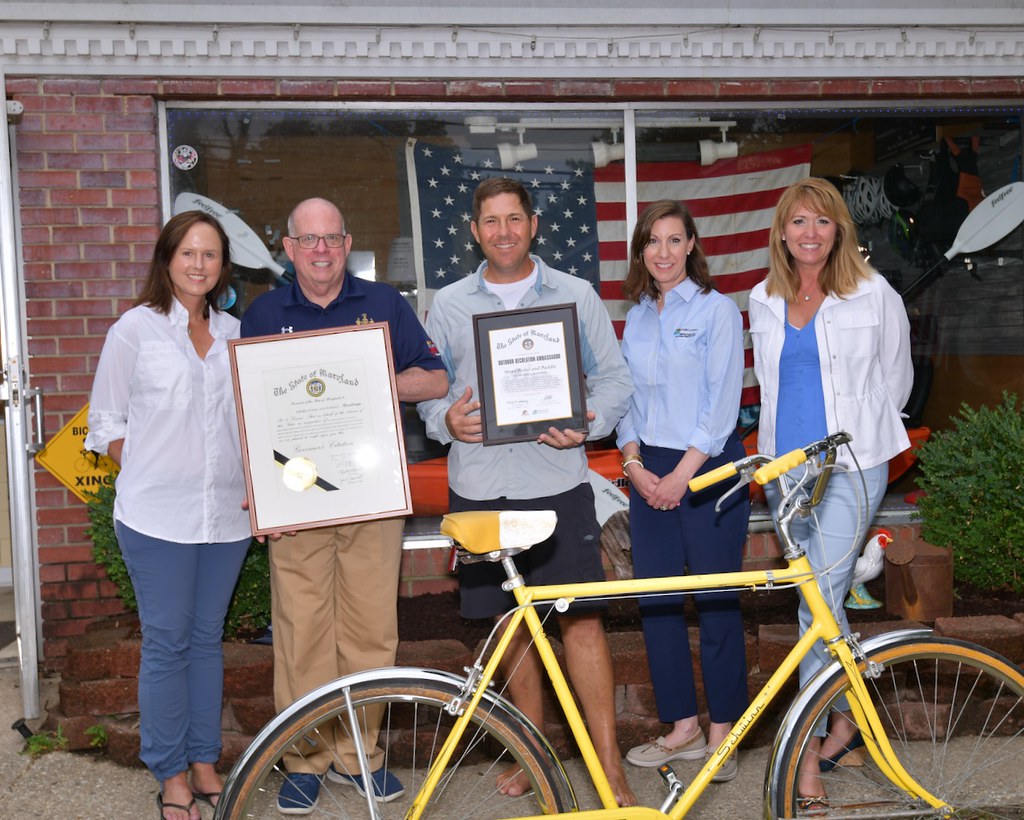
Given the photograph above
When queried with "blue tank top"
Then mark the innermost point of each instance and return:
(800, 416)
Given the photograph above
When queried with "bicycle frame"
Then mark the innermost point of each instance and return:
(799, 572)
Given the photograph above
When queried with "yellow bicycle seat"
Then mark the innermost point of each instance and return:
(484, 531)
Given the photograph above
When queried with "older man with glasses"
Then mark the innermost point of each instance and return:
(334, 589)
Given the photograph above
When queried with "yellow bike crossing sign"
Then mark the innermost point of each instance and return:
(78, 469)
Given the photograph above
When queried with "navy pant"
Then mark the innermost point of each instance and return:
(690, 540)
(183, 592)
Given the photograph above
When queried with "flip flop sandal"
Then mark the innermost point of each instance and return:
(206, 797)
(161, 805)
(811, 806)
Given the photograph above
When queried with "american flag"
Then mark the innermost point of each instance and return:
(582, 217)
(442, 182)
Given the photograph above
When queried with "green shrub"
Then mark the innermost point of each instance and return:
(973, 478)
(105, 550)
(249, 611)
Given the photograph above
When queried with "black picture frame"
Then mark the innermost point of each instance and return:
(530, 373)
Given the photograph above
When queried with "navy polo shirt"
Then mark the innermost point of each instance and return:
(287, 310)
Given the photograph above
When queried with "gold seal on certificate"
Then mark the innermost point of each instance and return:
(298, 474)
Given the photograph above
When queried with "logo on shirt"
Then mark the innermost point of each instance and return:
(433, 348)
(363, 320)
(685, 332)
(288, 329)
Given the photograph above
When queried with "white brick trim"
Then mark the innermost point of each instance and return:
(528, 52)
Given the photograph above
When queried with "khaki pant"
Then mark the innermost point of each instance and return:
(334, 609)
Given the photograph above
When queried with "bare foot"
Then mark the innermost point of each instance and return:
(513, 782)
(810, 785)
(176, 799)
(206, 783)
(620, 786)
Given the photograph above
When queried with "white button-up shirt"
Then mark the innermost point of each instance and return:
(181, 466)
(866, 368)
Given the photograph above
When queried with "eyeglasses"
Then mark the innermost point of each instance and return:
(308, 241)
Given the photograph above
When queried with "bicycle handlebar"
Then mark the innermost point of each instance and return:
(783, 464)
(698, 483)
(770, 469)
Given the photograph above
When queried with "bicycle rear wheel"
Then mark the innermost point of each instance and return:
(414, 725)
(954, 713)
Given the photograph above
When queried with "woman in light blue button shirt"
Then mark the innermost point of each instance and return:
(684, 345)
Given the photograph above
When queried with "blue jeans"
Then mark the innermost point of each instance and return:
(183, 592)
(833, 536)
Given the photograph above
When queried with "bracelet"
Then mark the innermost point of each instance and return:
(630, 460)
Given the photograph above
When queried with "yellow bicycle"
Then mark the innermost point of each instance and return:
(942, 721)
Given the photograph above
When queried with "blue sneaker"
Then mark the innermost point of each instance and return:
(299, 793)
(386, 787)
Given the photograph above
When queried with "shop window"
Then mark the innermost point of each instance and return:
(910, 176)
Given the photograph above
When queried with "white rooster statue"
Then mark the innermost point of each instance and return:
(868, 566)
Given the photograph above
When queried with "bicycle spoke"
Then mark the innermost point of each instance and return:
(954, 715)
(413, 727)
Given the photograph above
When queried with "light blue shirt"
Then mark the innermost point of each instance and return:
(522, 470)
(801, 398)
(687, 368)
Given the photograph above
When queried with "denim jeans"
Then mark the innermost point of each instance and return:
(183, 592)
(833, 536)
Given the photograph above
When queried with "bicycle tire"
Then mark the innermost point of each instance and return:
(954, 713)
(414, 725)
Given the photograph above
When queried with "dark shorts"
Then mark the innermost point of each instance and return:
(571, 555)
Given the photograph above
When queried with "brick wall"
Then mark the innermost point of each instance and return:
(88, 174)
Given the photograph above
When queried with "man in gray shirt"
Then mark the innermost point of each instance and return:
(550, 473)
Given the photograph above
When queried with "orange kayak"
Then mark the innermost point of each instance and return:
(428, 480)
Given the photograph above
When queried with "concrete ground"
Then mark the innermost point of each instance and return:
(59, 784)
(87, 786)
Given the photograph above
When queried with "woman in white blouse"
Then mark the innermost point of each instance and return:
(831, 353)
(163, 408)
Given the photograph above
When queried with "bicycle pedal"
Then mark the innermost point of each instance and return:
(669, 776)
(675, 787)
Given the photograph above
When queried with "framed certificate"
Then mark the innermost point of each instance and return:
(321, 428)
(530, 373)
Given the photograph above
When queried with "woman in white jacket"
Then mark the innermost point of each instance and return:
(831, 352)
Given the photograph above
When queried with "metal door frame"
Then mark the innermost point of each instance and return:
(16, 393)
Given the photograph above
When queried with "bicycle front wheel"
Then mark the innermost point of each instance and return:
(414, 723)
(954, 714)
